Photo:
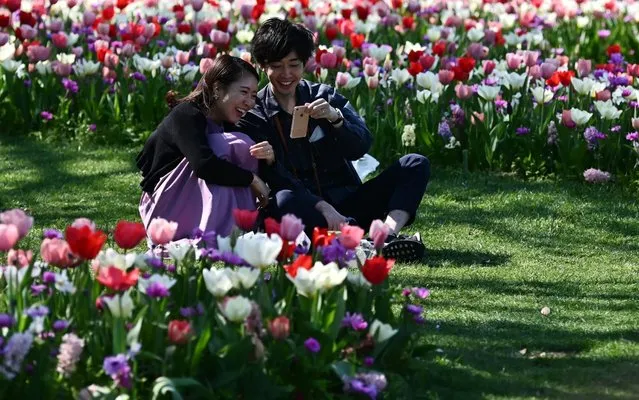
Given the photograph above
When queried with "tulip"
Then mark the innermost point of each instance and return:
(280, 327)
(217, 282)
(513, 61)
(4, 38)
(161, 231)
(258, 249)
(351, 236)
(111, 60)
(57, 252)
(19, 258)
(182, 57)
(205, 64)
(603, 95)
(378, 232)
(488, 66)
(372, 82)
(179, 331)
(19, 219)
(220, 38)
(197, 5)
(377, 269)
(547, 69)
(9, 236)
(635, 123)
(463, 92)
(88, 18)
(530, 58)
(381, 332)
(246, 277)
(127, 235)
(236, 309)
(445, 76)
(120, 305)
(117, 279)
(320, 278)
(328, 60)
(245, 219)
(580, 117)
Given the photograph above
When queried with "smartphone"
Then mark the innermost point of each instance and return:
(299, 126)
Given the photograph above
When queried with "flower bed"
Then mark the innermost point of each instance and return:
(253, 315)
(541, 87)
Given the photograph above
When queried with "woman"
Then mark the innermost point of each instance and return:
(193, 172)
(316, 180)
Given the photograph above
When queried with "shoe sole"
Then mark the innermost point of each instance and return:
(404, 250)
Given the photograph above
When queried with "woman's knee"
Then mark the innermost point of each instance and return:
(416, 164)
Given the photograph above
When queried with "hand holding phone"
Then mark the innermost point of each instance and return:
(299, 126)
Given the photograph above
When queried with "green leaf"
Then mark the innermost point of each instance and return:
(343, 369)
(199, 349)
(335, 314)
(164, 385)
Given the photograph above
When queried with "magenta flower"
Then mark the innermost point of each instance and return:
(312, 345)
(633, 137)
(593, 175)
(46, 116)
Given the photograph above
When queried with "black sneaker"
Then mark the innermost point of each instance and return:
(404, 248)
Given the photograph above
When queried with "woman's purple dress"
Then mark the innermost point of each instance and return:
(182, 197)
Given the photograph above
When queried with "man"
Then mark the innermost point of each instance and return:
(313, 177)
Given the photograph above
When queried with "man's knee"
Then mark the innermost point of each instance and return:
(416, 164)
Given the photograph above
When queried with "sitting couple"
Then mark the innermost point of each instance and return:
(221, 145)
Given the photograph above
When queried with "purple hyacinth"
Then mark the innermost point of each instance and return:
(37, 290)
(70, 85)
(312, 345)
(27, 83)
(369, 361)
(616, 58)
(60, 325)
(355, 321)
(522, 131)
(226, 257)
(444, 131)
(50, 233)
(155, 263)
(335, 252)
(117, 367)
(414, 309)
(592, 136)
(138, 76)
(37, 311)
(187, 312)
(14, 353)
(459, 116)
(6, 321)
(48, 277)
(369, 384)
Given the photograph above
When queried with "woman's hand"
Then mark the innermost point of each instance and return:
(263, 151)
(260, 190)
(320, 109)
(334, 220)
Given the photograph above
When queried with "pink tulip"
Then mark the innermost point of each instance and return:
(197, 5)
(207, 50)
(82, 222)
(378, 232)
(111, 60)
(445, 76)
(57, 252)
(72, 3)
(182, 57)
(19, 258)
(339, 51)
(604, 95)
(38, 53)
(290, 227)
(19, 219)
(246, 11)
(108, 73)
(370, 69)
(9, 236)
(205, 64)
(100, 44)
(463, 92)
(513, 61)
(351, 236)
(161, 231)
(77, 51)
(583, 67)
(341, 80)
(219, 38)
(632, 69)
(59, 40)
(534, 72)
(88, 18)
(372, 82)
(328, 60)
(128, 50)
(149, 31)
(246, 56)
(547, 69)
(166, 62)
(635, 123)
(530, 58)
(566, 119)
(488, 66)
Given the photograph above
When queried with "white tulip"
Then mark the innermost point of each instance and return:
(488, 92)
(163, 280)
(381, 332)
(217, 281)
(319, 278)
(236, 309)
(224, 244)
(245, 36)
(258, 249)
(515, 81)
(247, 276)
(475, 34)
(178, 249)
(400, 76)
(120, 306)
(63, 284)
(426, 80)
(607, 109)
(423, 96)
(541, 95)
(583, 86)
(579, 117)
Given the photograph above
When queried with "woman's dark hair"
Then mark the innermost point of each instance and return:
(221, 74)
(276, 38)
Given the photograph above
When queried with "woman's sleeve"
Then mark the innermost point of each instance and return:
(353, 137)
(188, 130)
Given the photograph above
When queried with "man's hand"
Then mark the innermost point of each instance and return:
(334, 220)
(260, 190)
(320, 109)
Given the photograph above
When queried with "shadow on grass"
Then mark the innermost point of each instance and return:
(465, 258)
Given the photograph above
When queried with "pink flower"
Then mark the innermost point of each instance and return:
(19, 219)
(604, 95)
(19, 258)
(445, 76)
(9, 236)
(372, 82)
(197, 5)
(378, 232)
(205, 64)
(290, 227)
(220, 38)
(28, 32)
(38, 53)
(162, 231)
(167, 62)
(341, 79)
(88, 18)
(182, 57)
(351, 236)
(583, 67)
(111, 60)
(566, 119)
(530, 58)
(57, 252)
(513, 61)
(489, 66)
(635, 123)
(594, 175)
(534, 72)
(463, 91)
(328, 60)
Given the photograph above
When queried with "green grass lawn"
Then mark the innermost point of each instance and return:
(499, 250)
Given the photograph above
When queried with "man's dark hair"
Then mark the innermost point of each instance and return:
(276, 38)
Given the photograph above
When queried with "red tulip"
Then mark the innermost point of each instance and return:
(13, 5)
(612, 49)
(271, 226)
(129, 234)
(84, 242)
(331, 32)
(357, 40)
(376, 269)
(321, 237)
(280, 327)
(245, 219)
(117, 279)
(179, 331)
(304, 261)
